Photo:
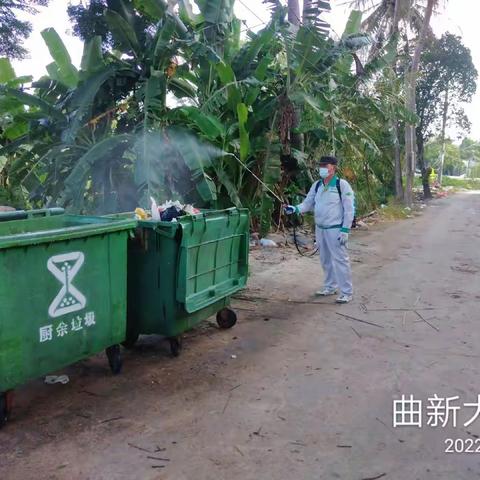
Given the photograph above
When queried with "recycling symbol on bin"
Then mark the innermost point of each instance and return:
(64, 268)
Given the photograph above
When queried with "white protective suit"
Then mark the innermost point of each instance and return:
(332, 216)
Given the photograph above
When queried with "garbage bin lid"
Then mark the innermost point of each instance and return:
(19, 233)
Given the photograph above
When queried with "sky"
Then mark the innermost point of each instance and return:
(458, 16)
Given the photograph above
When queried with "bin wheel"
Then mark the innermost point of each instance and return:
(3, 409)
(226, 318)
(130, 340)
(114, 359)
(175, 346)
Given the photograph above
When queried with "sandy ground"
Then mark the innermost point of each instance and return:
(295, 390)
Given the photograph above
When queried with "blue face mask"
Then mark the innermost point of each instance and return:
(323, 171)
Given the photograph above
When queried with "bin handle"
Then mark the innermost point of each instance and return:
(45, 212)
(23, 214)
(181, 294)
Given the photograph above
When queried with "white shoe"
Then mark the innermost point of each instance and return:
(325, 292)
(344, 298)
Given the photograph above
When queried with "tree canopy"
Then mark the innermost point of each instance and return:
(13, 30)
(446, 68)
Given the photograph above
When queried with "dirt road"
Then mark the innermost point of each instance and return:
(295, 390)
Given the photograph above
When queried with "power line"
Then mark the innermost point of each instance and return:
(251, 28)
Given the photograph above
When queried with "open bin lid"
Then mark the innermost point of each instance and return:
(212, 261)
(213, 257)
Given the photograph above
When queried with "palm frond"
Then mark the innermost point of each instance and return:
(312, 15)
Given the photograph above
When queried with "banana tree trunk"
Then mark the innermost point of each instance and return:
(294, 17)
(442, 138)
(395, 17)
(294, 12)
(411, 104)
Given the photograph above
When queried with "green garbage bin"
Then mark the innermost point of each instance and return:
(62, 295)
(180, 273)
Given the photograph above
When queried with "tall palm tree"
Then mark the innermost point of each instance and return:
(387, 18)
(383, 22)
(411, 103)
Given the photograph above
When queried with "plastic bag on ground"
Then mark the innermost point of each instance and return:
(51, 379)
(265, 242)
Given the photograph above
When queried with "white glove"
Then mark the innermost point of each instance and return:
(290, 209)
(343, 239)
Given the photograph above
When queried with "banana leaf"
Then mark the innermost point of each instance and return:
(82, 101)
(74, 188)
(6, 71)
(66, 71)
(123, 33)
(242, 112)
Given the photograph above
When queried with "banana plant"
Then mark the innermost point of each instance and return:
(106, 119)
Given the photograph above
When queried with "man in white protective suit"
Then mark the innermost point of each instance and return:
(333, 203)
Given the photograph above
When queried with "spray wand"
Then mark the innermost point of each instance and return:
(258, 179)
(282, 202)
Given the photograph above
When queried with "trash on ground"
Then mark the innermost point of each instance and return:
(278, 238)
(234, 357)
(362, 225)
(265, 242)
(254, 240)
(51, 379)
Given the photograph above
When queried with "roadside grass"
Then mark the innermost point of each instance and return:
(394, 211)
(466, 183)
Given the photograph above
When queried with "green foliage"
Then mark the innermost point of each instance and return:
(13, 28)
(89, 21)
(153, 8)
(175, 106)
(453, 164)
(6, 71)
(447, 80)
(62, 69)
